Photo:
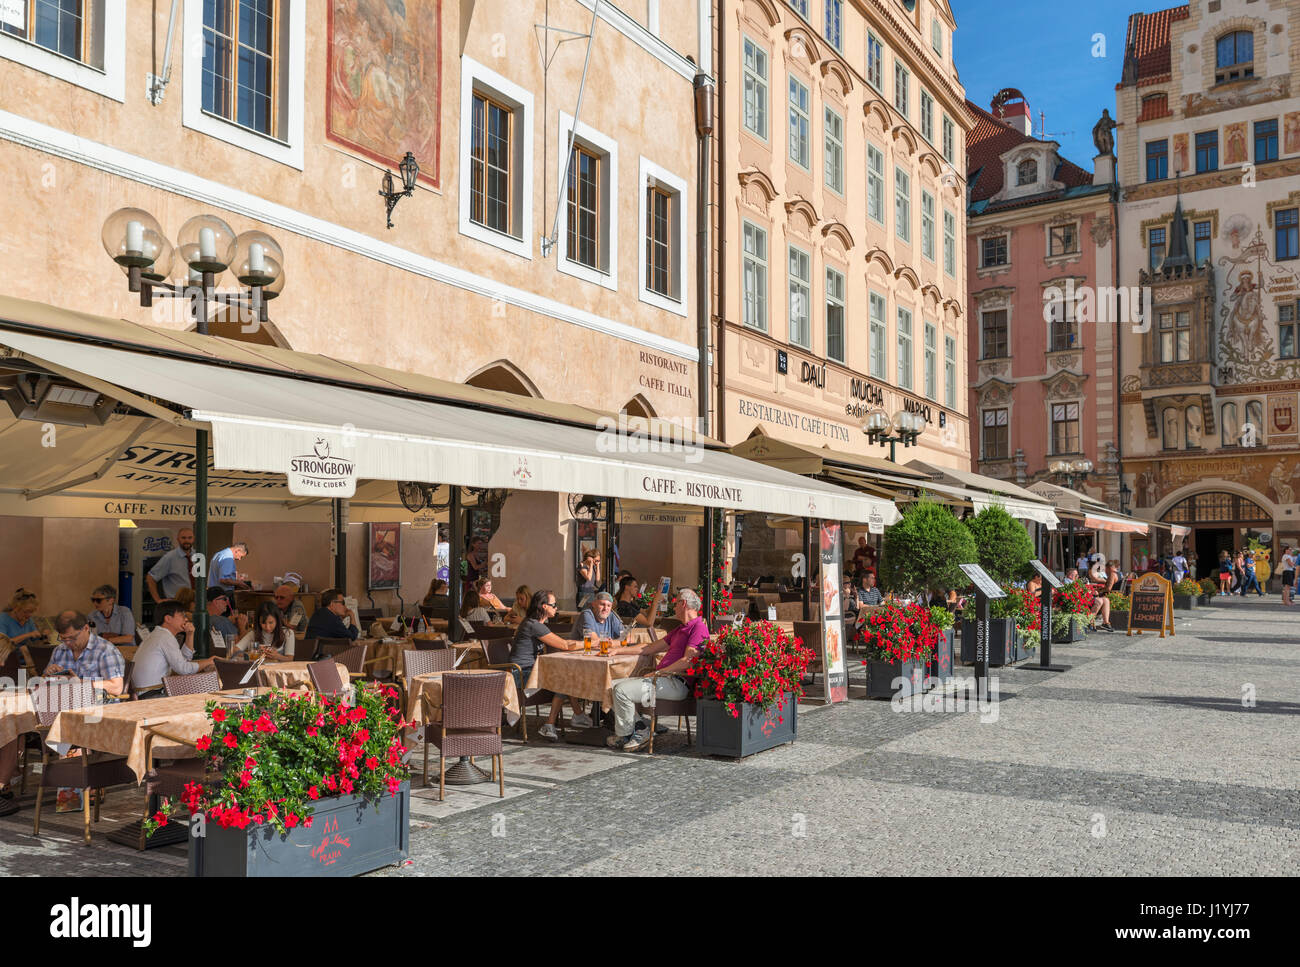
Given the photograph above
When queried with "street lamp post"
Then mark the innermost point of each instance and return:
(1072, 473)
(903, 428)
(207, 247)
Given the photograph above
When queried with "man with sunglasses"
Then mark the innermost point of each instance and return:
(291, 609)
(85, 655)
(113, 623)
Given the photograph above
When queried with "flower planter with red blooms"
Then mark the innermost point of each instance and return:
(1076, 599)
(900, 641)
(747, 688)
(301, 786)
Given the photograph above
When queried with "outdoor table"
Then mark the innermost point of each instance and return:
(387, 654)
(17, 714)
(292, 675)
(426, 690)
(474, 657)
(128, 651)
(582, 675)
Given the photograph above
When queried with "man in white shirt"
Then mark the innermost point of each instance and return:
(159, 654)
(1179, 564)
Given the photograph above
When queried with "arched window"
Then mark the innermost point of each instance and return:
(1234, 56)
(1254, 424)
(1154, 106)
(1195, 427)
(1027, 172)
(504, 377)
(1229, 425)
(1171, 421)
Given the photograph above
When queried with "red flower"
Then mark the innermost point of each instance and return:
(204, 743)
(160, 818)
(246, 725)
(231, 741)
(372, 763)
(218, 714)
(313, 792)
(290, 820)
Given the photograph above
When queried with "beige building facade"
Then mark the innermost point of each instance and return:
(840, 272)
(508, 268)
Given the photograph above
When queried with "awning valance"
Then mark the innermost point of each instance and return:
(332, 435)
(1116, 525)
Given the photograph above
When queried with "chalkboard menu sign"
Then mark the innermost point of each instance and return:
(1151, 606)
(983, 583)
(1046, 573)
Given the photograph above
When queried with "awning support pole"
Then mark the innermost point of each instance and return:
(340, 514)
(456, 524)
(202, 639)
(706, 566)
(610, 569)
(807, 569)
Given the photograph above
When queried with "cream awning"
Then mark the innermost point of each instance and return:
(263, 423)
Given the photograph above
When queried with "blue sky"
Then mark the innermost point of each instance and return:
(1044, 48)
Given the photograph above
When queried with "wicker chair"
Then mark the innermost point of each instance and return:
(471, 724)
(683, 708)
(90, 770)
(352, 658)
(811, 633)
(496, 652)
(426, 642)
(231, 673)
(325, 677)
(304, 649)
(199, 684)
(425, 662)
(483, 629)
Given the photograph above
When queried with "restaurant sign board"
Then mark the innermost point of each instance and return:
(321, 472)
(832, 602)
(1151, 605)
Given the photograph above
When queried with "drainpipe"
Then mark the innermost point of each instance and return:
(704, 134)
(721, 240)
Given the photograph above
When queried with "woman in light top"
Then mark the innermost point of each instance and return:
(523, 595)
(269, 637)
(485, 595)
(472, 609)
(16, 621)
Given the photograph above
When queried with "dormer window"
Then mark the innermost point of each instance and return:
(1234, 57)
(1027, 172)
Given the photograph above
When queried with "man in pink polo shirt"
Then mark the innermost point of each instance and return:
(666, 681)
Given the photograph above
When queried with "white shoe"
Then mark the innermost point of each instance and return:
(581, 721)
(547, 731)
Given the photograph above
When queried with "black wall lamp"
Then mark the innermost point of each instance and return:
(410, 170)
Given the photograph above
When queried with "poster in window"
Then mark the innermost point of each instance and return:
(384, 93)
(832, 604)
(384, 557)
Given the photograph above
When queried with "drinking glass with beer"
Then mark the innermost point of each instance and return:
(587, 639)
(604, 646)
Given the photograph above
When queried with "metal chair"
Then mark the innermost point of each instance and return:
(90, 770)
(496, 654)
(231, 673)
(471, 725)
(325, 677)
(683, 708)
(198, 684)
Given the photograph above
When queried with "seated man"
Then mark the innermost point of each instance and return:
(599, 619)
(629, 610)
(668, 679)
(295, 615)
(1071, 575)
(870, 595)
(160, 654)
(85, 655)
(218, 622)
(113, 623)
(332, 619)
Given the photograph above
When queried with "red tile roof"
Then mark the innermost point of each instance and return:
(985, 145)
(1146, 49)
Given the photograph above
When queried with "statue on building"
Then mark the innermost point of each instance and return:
(1101, 133)
(1281, 489)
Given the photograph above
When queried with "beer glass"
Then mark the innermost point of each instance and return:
(586, 642)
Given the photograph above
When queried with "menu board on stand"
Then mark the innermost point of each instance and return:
(1050, 583)
(832, 613)
(1151, 605)
(986, 589)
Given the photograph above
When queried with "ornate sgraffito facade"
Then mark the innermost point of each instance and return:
(1210, 172)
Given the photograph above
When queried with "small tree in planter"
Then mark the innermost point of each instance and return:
(1209, 588)
(1186, 592)
(747, 683)
(923, 551)
(1072, 611)
(900, 640)
(1002, 543)
(939, 667)
(278, 760)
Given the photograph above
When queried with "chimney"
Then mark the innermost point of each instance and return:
(1012, 109)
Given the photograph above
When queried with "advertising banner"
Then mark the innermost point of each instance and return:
(832, 607)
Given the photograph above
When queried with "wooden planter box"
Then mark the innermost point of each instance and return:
(1002, 632)
(881, 677)
(1185, 602)
(939, 667)
(718, 733)
(1119, 620)
(348, 836)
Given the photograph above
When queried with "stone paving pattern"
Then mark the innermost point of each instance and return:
(1140, 760)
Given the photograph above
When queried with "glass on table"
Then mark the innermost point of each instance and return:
(588, 639)
(604, 646)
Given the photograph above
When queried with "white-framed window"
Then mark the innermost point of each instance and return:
(835, 23)
(931, 361)
(800, 304)
(927, 225)
(875, 183)
(901, 78)
(936, 36)
(995, 439)
(834, 315)
(834, 152)
(927, 116)
(588, 235)
(801, 6)
(949, 139)
(753, 276)
(902, 204)
(800, 123)
(661, 246)
(755, 89)
(949, 244)
(904, 348)
(243, 74)
(878, 335)
(652, 16)
(875, 63)
(950, 372)
(496, 157)
(82, 42)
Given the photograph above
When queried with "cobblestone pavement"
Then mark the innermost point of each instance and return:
(1150, 756)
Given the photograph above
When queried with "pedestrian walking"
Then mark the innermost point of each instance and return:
(1288, 574)
(1225, 574)
(1252, 582)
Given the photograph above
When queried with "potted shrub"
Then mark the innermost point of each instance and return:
(1186, 592)
(1118, 610)
(939, 668)
(1209, 590)
(303, 785)
(923, 551)
(747, 686)
(1002, 543)
(900, 640)
(1002, 630)
(1072, 611)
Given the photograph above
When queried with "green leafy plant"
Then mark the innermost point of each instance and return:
(1061, 623)
(923, 550)
(1002, 543)
(1209, 586)
(941, 617)
(1118, 601)
(1187, 586)
(1031, 639)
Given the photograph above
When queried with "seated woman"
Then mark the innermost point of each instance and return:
(437, 593)
(531, 641)
(1113, 578)
(523, 594)
(489, 600)
(17, 622)
(269, 638)
(471, 609)
(1035, 584)
(627, 609)
(1101, 610)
